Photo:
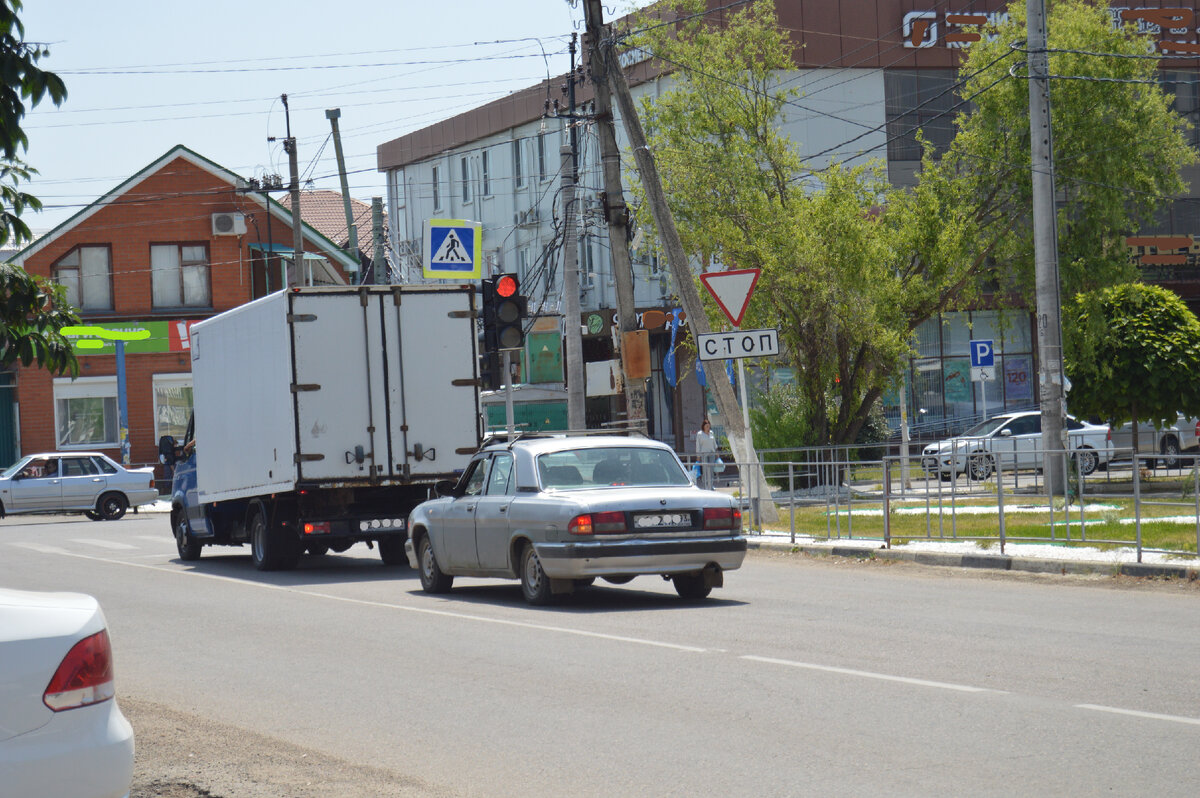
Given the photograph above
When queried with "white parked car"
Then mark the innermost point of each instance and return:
(1183, 435)
(61, 732)
(81, 482)
(1013, 440)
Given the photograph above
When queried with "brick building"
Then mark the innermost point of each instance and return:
(177, 242)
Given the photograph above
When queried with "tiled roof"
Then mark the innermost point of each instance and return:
(324, 211)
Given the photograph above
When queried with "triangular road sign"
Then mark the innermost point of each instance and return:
(732, 291)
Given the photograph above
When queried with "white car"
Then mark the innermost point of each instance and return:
(1013, 440)
(80, 482)
(61, 732)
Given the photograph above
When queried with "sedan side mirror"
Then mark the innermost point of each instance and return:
(1005, 433)
(445, 487)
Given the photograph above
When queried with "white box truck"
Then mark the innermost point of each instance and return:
(322, 416)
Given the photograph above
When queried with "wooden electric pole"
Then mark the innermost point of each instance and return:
(616, 213)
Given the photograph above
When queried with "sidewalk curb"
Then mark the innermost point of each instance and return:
(985, 561)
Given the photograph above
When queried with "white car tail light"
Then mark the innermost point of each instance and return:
(84, 677)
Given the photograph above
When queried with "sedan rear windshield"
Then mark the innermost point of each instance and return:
(590, 468)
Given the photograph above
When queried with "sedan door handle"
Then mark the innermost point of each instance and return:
(504, 509)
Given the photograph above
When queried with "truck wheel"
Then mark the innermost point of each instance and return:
(391, 551)
(432, 578)
(534, 582)
(189, 548)
(112, 506)
(269, 548)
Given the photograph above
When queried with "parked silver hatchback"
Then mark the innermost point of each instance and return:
(83, 482)
(557, 512)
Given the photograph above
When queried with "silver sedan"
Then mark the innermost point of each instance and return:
(84, 482)
(558, 512)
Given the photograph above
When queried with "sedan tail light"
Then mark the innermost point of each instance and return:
(722, 518)
(591, 523)
(84, 677)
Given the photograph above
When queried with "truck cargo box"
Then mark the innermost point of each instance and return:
(336, 387)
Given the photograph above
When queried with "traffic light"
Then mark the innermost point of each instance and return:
(504, 311)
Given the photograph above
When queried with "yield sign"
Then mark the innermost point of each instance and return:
(732, 291)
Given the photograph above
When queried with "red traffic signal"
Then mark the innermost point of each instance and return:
(506, 285)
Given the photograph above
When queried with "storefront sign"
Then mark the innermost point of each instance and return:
(598, 322)
(1173, 29)
(141, 337)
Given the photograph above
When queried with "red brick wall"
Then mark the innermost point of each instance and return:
(173, 205)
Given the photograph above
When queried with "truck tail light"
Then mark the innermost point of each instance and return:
(722, 518)
(591, 523)
(84, 677)
(318, 528)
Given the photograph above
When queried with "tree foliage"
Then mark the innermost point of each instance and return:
(32, 311)
(1118, 147)
(851, 266)
(1132, 354)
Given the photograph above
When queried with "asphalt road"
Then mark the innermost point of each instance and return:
(800, 677)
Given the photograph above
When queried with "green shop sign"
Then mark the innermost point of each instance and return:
(140, 337)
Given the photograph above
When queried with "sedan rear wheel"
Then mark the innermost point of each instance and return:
(534, 582)
(112, 506)
(1087, 460)
(432, 578)
(1170, 451)
(692, 587)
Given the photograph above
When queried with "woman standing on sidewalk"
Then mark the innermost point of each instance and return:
(706, 454)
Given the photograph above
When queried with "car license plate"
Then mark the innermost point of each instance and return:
(659, 520)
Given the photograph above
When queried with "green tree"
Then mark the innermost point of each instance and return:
(32, 311)
(828, 281)
(1118, 148)
(1132, 353)
(850, 266)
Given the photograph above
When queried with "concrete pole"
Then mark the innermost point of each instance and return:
(289, 145)
(1045, 248)
(332, 115)
(689, 295)
(380, 259)
(615, 211)
(576, 418)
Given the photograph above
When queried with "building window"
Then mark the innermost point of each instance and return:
(437, 194)
(172, 404)
(485, 176)
(466, 180)
(925, 100)
(518, 169)
(179, 276)
(541, 155)
(85, 412)
(523, 266)
(86, 274)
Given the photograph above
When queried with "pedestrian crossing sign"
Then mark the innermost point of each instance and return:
(453, 249)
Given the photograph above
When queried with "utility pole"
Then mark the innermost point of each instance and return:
(1045, 253)
(576, 415)
(689, 295)
(616, 213)
(289, 146)
(380, 260)
(332, 115)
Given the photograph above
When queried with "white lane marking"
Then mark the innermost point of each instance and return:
(386, 605)
(1135, 713)
(42, 547)
(155, 538)
(104, 544)
(962, 688)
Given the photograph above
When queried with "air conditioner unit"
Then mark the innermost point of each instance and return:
(530, 216)
(228, 224)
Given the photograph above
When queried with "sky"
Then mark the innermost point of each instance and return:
(145, 76)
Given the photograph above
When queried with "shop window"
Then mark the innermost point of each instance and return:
(85, 412)
(172, 404)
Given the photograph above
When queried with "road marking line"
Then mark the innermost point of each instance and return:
(386, 605)
(1135, 713)
(42, 547)
(104, 544)
(154, 538)
(962, 688)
